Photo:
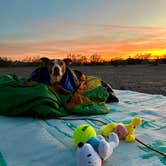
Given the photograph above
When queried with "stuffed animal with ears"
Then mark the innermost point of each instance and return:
(124, 131)
(92, 149)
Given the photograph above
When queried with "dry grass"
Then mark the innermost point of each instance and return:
(142, 78)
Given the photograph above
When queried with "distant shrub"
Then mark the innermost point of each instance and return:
(5, 62)
(133, 61)
(83, 60)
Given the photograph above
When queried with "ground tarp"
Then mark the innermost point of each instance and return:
(26, 141)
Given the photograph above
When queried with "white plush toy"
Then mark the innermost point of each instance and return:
(87, 156)
(92, 149)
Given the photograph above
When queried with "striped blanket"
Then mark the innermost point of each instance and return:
(25, 141)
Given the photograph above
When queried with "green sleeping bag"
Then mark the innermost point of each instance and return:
(18, 98)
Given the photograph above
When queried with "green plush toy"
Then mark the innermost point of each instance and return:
(82, 133)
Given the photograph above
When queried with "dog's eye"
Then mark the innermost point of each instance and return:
(89, 155)
(52, 64)
(61, 63)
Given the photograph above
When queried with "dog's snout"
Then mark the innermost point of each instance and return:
(56, 71)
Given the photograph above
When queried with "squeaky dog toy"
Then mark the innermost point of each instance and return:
(124, 131)
(93, 149)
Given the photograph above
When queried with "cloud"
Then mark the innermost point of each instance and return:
(131, 27)
(59, 39)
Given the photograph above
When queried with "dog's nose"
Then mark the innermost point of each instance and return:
(56, 71)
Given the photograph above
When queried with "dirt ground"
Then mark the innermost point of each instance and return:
(142, 78)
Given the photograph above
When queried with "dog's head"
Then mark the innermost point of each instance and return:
(56, 68)
(86, 155)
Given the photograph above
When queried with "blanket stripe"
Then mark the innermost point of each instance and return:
(2, 160)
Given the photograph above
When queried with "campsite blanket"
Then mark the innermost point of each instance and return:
(25, 141)
(18, 98)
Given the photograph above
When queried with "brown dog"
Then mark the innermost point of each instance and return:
(57, 74)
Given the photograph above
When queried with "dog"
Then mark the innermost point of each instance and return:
(57, 74)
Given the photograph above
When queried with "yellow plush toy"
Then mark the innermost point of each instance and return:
(124, 131)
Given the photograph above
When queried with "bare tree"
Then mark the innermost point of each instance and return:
(83, 59)
(143, 56)
(95, 58)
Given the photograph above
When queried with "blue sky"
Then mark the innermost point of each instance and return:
(59, 27)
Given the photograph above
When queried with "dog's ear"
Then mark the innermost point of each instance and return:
(44, 60)
(67, 61)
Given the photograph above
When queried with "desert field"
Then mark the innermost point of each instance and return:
(142, 78)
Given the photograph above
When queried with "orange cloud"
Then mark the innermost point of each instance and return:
(107, 40)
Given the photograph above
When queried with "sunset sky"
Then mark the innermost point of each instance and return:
(56, 28)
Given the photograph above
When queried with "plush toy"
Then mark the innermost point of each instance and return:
(93, 149)
(124, 131)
